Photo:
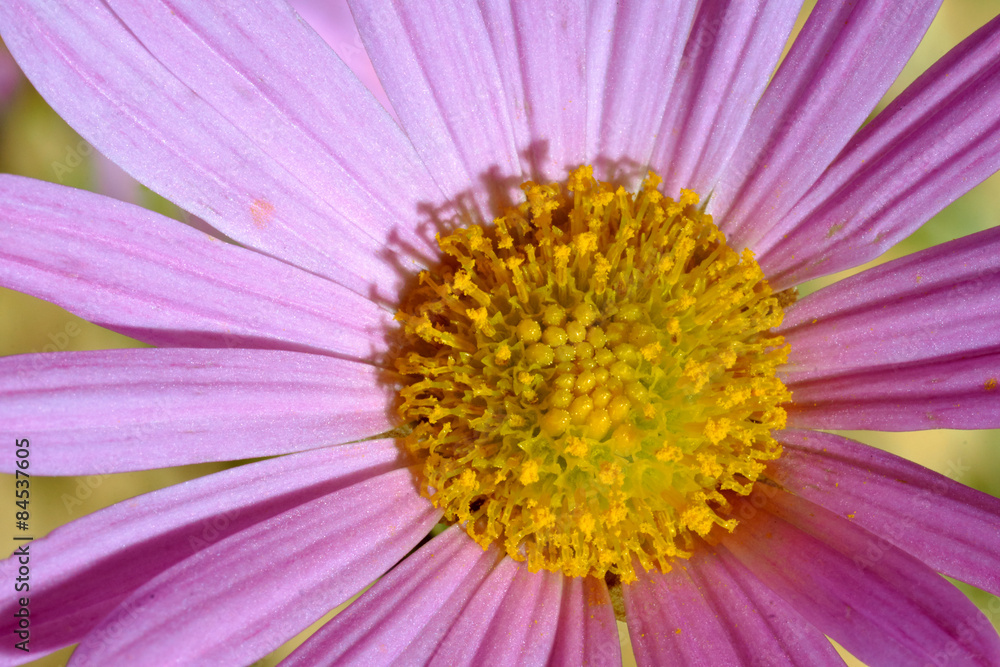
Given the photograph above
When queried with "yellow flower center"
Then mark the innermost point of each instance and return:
(586, 376)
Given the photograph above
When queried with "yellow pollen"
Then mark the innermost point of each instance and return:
(589, 377)
(502, 355)
(529, 473)
(577, 446)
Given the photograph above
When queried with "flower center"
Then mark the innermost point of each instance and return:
(585, 377)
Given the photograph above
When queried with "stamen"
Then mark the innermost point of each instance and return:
(586, 377)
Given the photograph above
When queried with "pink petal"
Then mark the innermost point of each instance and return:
(111, 180)
(929, 307)
(281, 84)
(669, 622)
(415, 603)
(141, 409)
(155, 279)
(511, 620)
(728, 59)
(333, 22)
(710, 610)
(10, 77)
(936, 141)
(587, 632)
(191, 144)
(892, 609)
(408, 612)
(84, 569)
(945, 392)
(952, 528)
(764, 622)
(628, 92)
(541, 51)
(438, 67)
(265, 584)
(838, 68)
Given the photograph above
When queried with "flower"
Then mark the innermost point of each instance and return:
(280, 343)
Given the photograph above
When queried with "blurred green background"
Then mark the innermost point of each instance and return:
(35, 142)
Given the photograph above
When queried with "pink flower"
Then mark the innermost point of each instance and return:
(275, 344)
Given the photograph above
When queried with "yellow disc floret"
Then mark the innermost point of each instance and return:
(585, 377)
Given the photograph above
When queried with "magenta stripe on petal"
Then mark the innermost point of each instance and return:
(99, 77)
(880, 603)
(135, 272)
(263, 585)
(952, 528)
(728, 59)
(587, 633)
(934, 305)
(437, 65)
(140, 409)
(936, 141)
(84, 569)
(407, 612)
(843, 61)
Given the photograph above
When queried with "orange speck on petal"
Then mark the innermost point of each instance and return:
(991, 384)
(261, 211)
